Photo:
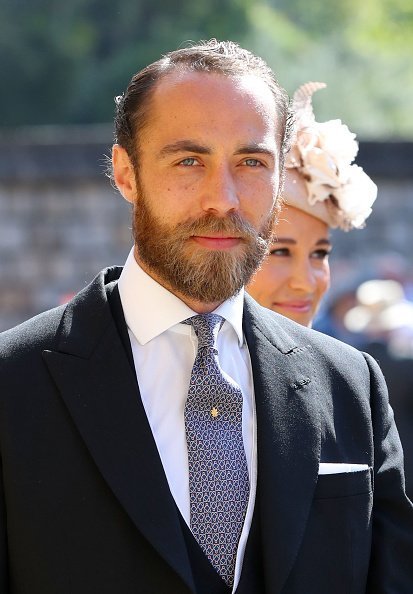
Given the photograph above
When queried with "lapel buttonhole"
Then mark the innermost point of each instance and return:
(301, 383)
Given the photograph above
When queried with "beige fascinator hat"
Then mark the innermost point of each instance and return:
(320, 177)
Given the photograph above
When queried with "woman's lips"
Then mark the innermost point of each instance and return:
(216, 243)
(296, 306)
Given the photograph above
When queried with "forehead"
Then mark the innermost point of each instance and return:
(185, 99)
(299, 225)
(245, 86)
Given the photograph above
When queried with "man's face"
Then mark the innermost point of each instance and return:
(206, 184)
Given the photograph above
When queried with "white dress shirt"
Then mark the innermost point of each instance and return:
(164, 352)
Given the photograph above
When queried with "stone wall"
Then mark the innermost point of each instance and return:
(61, 221)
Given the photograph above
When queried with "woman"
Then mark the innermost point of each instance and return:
(322, 191)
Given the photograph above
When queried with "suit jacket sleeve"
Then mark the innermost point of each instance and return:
(3, 541)
(392, 538)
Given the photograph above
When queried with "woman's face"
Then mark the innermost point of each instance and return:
(296, 274)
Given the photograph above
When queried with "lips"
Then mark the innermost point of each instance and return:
(299, 306)
(216, 242)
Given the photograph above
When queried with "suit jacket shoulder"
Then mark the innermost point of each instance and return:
(289, 336)
(48, 329)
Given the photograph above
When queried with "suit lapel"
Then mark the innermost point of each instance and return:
(288, 437)
(101, 393)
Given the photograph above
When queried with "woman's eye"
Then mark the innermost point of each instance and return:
(320, 254)
(189, 162)
(280, 252)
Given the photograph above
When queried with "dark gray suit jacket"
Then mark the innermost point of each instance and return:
(84, 503)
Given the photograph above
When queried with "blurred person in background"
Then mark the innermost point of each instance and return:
(343, 294)
(322, 190)
(381, 324)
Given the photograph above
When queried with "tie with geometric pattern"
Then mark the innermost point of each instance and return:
(218, 473)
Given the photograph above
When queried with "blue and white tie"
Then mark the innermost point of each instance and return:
(218, 473)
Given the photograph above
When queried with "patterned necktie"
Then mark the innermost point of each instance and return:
(218, 473)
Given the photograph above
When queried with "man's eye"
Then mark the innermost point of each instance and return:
(189, 162)
(252, 162)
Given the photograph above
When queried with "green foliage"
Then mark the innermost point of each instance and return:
(63, 62)
(362, 50)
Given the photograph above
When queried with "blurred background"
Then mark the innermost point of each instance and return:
(62, 64)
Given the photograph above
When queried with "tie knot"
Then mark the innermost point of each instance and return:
(206, 328)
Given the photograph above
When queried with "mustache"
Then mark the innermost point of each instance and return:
(233, 225)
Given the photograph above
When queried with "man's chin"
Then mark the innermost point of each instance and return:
(199, 272)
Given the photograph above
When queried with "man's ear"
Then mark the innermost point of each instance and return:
(123, 173)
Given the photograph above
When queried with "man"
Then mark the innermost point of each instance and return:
(163, 433)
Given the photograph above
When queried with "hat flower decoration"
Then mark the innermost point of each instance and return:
(336, 190)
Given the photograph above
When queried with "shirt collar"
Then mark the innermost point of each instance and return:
(150, 309)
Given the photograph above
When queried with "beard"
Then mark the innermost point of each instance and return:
(179, 264)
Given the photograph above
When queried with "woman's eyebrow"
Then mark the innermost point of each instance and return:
(288, 240)
(323, 241)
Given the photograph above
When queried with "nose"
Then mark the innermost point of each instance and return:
(220, 195)
(302, 278)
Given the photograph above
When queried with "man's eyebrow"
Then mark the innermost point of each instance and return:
(184, 146)
(249, 149)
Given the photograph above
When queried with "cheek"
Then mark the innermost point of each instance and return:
(323, 280)
(258, 196)
(267, 281)
(170, 203)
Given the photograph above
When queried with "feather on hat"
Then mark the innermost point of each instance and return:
(320, 176)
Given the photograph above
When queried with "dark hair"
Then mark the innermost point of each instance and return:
(222, 57)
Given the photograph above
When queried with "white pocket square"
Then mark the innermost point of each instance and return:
(337, 468)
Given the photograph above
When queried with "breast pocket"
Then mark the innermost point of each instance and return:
(335, 550)
(346, 484)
